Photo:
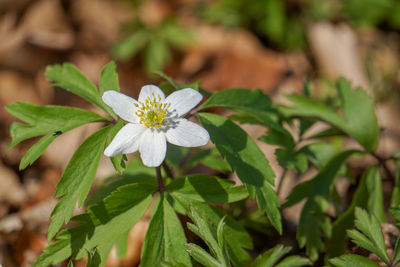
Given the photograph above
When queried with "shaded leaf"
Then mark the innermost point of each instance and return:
(368, 196)
(359, 119)
(317, 192)
(370, 237)
(247, 160)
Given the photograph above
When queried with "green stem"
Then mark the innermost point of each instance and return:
(161, 187)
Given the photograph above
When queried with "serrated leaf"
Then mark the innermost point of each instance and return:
(251, 103)
(236, 237)
(294, 261)
(165, 238)
(109, 78)
(201, 256)
(272, 256)
(208, 157)
(207, 188)
(94, 258)
(290, 159)
(239, 98)
(247, 160)
(370, 237)
(71, 79)
(317, 193)
(359, 119)
(118, 160)
(46, 119)
(274, 137)
(77, 178)
(101, 226)
(353, 261)
(369, 196)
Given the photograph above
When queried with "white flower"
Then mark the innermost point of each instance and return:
(154, 120)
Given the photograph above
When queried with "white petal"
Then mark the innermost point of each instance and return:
(121, 104)
(126, 140)
(153, 147)
(182, 101)
(148, 90)
(186, 133)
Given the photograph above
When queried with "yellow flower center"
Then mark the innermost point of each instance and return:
(151, 112)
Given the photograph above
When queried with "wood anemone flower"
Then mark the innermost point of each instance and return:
(153, 121)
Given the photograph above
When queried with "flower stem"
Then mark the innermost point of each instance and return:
(168, 170)
(161, 187)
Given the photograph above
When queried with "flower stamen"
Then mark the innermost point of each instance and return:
(151, 112)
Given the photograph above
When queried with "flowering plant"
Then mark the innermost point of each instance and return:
(216, 206)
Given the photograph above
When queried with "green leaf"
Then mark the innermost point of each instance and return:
(201, 256)
(94, 258)
(253, 103)
(156, 55)
(130, 46)
(77, 178)
(396, 257)
(208, 157)
(359, 119)
(239, 98)
(294, 261)
(317, 192)
(206, 188)
(290, 159)
(370, 237)
(118, 160)
(43, 120)
(274, 137)
(247, 160)
(395, 201)
(273, 255)
(102, 226)
(320, 153)
(71, 79)
(50, 121)
(202, 229)
(109, 78)
(165, 238)
(236, 237)
(368, 196)
(353, 261)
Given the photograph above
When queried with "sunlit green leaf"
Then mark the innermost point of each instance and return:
(202, 187)
(101, 226)
(77, 178)
(353, 261)
(50, 121)
(165, 238)
(71, 79)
